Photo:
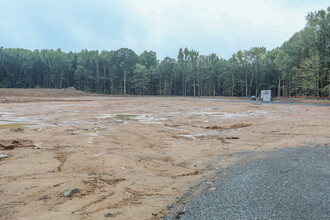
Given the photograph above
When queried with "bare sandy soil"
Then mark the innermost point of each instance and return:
(130, 157)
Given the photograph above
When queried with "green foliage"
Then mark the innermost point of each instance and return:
(126, 58)
(140, 79)
(301, 66)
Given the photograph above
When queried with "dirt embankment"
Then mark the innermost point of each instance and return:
(322, 101)
(130, 157)
(39, 95)
(49, 93)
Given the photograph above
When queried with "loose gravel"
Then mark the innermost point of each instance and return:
(292, 183)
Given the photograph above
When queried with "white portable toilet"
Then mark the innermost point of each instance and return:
(266, 95)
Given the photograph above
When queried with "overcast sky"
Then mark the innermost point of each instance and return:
(208, 26)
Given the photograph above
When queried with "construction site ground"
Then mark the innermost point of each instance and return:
(131, 157)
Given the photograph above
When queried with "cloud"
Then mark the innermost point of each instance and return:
(213, 25)
(70, 25)
(164, 26)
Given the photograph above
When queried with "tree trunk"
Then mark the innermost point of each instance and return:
(165, 84)
(318, 85)
(246, 85)
(242, 89)
(171, 84)
(233, 84)
(98, 77)
(112, 87)
(289, 87)
(174, 89)
(61, 84)
(213, 87)
(125, 73)
(104, 70)
(194, 86)
(183, 86)
(329, 84)
(67, 81)
(199, 86)
(279, 86)
(140, 92)
(251, 81)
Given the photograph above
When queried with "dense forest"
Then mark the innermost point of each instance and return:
(300, 67)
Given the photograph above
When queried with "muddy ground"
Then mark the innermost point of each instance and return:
(130, 157)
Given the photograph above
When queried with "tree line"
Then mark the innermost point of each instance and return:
(300, 67)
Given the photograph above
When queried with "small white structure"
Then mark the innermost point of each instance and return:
(266, 95)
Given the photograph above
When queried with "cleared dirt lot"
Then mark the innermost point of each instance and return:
(130, 156)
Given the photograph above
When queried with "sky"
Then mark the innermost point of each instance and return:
(208, 26)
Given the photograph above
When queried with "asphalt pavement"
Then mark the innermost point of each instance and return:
(292, 183)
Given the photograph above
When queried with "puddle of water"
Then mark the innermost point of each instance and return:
(144, 118)
(165, 106)
(175, 129)
(14, 126)
(126, 117)
(106, 116)
(3, 156)
(194, 136)
(99, 154)
(242, 114)
(9, 121)
(188, 136)
(93, 131)
(90, 140)
(153, 122)
(200, 135)
(226, 115)
(149, 119)
(123, 117)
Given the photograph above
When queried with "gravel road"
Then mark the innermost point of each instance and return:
(292, 183)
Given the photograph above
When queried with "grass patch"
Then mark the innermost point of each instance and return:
(14, 126)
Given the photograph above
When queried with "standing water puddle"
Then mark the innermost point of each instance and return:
(126, 117)
(144, 118)
(94, 131)
(8, 121)
(14, 126)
